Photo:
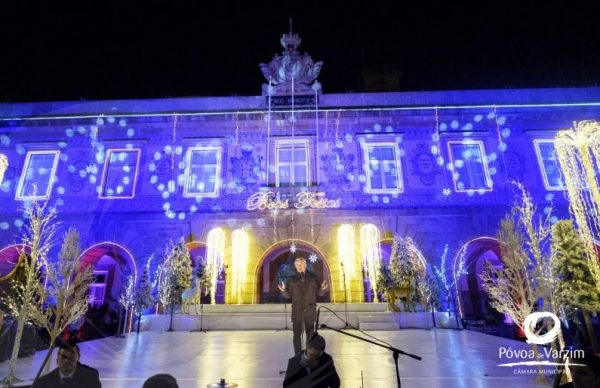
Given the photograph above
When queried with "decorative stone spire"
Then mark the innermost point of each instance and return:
(291, 66)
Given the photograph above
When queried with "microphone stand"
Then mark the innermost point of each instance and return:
(345, 296)
(395, 351)
(201, 329)
(284, 307)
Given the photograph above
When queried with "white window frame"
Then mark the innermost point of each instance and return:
(547, 185)
(188, 163)
(48, 192)
(484, 161)
(367, 167)
(103, 286)
(109, 152)
(297, 144)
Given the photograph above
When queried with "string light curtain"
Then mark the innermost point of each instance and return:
(347, 257)
(215, 257)
(240, 245)
(578, 151)
(371, 255)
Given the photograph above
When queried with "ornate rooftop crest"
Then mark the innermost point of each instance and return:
(291, 66)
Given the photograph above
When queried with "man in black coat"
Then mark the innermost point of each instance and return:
(303, 290)
(312, 368)
(70, 373)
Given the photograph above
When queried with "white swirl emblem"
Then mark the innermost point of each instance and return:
(529, 328)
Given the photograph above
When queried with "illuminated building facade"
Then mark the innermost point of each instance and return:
(279, 174)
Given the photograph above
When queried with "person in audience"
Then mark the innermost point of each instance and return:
(70, 373)
(161, 380)
(312, 367)
(585, 372)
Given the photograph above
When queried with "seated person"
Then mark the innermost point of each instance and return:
(311, 367)
(70, 373)
(161, 380)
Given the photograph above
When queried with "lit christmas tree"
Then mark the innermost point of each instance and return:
(576, 288)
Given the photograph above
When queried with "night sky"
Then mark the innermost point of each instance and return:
(122, 50)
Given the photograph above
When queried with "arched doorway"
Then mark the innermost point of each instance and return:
(473, 302)
(277, 264)
(197, 250)
(113, 264)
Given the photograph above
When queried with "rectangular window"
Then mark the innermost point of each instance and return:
(202, 172)
(97, 289)
(382, 165)
(38, 175)
(120, 173)
(292, 163)
(548, 161)
(470, 169)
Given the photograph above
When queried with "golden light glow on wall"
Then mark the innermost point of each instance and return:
(240, 248)
(578, 152)
(215, 258)
(3, 166)
(347, 256)
(371, 254)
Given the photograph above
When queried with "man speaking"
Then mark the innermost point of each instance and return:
(303, 289)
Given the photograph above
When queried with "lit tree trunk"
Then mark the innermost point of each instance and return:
(11, 378)
(120, 320)
(171, 322)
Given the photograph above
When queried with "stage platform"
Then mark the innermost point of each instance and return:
(254, 359)
(365, 316)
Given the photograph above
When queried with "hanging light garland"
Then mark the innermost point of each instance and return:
(173, 139)
(436, 150)
(3, 166)
(578, 152)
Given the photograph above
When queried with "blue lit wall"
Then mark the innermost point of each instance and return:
(437, 203)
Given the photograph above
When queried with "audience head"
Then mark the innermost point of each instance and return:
(161, 380)
(315, 347)
(67, 359)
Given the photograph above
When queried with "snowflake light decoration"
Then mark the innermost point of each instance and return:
(313, 258)
(446, 192)
(293, 247)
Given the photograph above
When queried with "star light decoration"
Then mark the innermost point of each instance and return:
(293, 247)
(313, 258)
(446, 192)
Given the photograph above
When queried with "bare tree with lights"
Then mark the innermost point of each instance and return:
(142, 296)
(67, 285)
(176, 276)
(125, 302)
(26, 302)
(578, 152)
(510, 288)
